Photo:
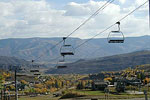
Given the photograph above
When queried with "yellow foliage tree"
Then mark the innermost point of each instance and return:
(12, 87)
(44, 90)
(146, 80)
(24, 82)
(39, 86)
(38, 90)
(108, 79)
(5, 75)
(53, 90)
(48, 84)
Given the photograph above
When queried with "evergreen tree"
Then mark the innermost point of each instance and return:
(1, 82)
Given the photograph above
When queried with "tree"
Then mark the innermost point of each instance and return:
(12, 87)
(44, 90)
(1, 82)
(141, 76)
(39, 86)
(24, 82)
(56, 84)
(38, 90)
(48, 84)
(53, 90)
(30, 91)
(108, 79)
(81, 85)
(146, 80)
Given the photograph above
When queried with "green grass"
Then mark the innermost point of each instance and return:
(45, 97)
(102, 94)
(88, 92)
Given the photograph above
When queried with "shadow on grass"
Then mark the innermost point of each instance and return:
(71, 95)
(115, 93)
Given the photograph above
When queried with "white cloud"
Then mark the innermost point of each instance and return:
(122, 1)
(74, 9)
(32, 18)
(139, 2)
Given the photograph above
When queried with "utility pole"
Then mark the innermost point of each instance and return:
(5, 92)
(16, 89)
(145, 93)
(1, 95)
(1, 88)
(15, 69)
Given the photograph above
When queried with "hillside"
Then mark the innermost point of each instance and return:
(5, 62)
(31, 48)
(145, 67)
(110, 63)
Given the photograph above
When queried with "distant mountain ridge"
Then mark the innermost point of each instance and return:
(6, 62)
(110, 63)
(32, 48)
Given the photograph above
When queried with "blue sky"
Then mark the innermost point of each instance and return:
(59, 4)
(57, 18)
(62, 3)
(66, 1)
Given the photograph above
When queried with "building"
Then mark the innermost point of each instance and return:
(99, 85)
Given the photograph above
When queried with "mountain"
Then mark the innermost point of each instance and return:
(39, 48)
(110, 63)
(6, 62)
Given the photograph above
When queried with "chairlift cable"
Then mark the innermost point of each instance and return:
(94, 36)
(119, 20)
(108, 27)
(48, 50)
(93, 15)
(111, 25)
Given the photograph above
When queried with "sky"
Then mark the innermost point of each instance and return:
(58, 18)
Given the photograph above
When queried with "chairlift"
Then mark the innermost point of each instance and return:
(35, 68)
(37, 74)
(61, 64)
(21, 72)
(66, 49)
(21, 75)
(116, 36)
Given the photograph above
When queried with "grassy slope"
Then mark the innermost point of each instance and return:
(46, 97)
